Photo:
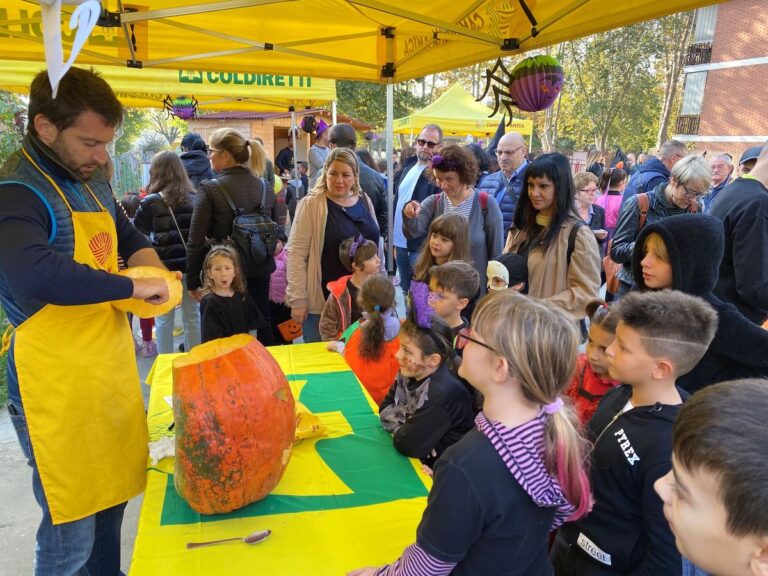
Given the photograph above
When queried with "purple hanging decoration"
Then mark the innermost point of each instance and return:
(183, 107)
(533, 85)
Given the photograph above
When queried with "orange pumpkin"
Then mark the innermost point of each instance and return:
(235, 424)
(142, 308)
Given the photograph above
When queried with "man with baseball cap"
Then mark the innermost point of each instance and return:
(748, 159)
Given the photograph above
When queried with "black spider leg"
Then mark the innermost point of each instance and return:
(497, 92)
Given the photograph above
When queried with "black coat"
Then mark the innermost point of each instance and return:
(153, 218)
(424, 188)
(197, 165)
(212, 216)
(695, 245)
(374, 187)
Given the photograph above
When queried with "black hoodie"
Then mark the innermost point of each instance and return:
(632, 450)
(197, 165)
(695, 245)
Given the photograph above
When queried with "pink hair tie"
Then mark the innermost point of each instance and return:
(554, 407)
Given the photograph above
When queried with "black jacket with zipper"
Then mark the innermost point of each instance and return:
(632, 450)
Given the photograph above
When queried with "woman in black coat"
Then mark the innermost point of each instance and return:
(240, 166)
(165, 215)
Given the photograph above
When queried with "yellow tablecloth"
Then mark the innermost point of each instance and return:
(347, 499)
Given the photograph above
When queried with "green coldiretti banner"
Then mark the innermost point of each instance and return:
(223, 90)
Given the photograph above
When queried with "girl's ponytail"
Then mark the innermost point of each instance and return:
(376, 297)
(566, 455)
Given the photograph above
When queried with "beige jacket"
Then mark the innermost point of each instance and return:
(305, 250)
(552, 279)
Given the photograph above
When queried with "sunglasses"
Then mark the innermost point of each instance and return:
(428, 143)
(464, 337)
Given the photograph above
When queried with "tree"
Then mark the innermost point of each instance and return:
(135, 122)
(11, 123)
(367, 102)
(674, 35)
(169, 127)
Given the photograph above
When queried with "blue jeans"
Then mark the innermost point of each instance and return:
(405, 261)
(190, 318)
(87, 547)
(311, 329)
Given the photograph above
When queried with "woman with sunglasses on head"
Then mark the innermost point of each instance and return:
(240, 166)
(335, 209)
(689, 181)
(562, 253)
(455, 171)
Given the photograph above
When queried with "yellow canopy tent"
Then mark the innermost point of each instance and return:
(368, 40)
(458, 114)
(213, 90)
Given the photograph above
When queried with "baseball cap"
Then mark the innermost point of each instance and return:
(751, 153)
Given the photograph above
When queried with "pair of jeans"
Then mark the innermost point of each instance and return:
(311, 329)
(190, 318)
(86, 547)
(405, 261)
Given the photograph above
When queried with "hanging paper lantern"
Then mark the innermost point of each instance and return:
(535, 83)
(183, 107)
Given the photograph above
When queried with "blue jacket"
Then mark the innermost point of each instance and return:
(648, 177)
(507, 197)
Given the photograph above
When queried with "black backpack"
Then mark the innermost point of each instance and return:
(254, 235)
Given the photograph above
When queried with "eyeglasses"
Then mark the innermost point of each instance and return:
(212, 150)
(690, 195)
(508, 152)
(464, 337)
(428, 143)
(588, 190)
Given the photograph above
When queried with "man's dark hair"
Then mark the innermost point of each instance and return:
(193, 141)
(722, 430)
(343, 136)
(458, 277)
(79, 90)
(670, 324)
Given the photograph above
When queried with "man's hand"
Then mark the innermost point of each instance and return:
(196, 295)
(152, 290)
(145, 257)
(412, 209)
(299, 314)
(600, 234)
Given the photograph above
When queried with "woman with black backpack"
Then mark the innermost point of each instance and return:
(164, 215)
(239, 164)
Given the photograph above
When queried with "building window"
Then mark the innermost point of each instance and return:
(706, 18)
(693, 94)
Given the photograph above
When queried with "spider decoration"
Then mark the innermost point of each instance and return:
(533, 84)
(183, 107)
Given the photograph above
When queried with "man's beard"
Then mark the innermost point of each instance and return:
(65, 158)
(424, 156)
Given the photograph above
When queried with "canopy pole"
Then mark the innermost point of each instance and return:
(390, 174)
(333, 111)
(295, 150)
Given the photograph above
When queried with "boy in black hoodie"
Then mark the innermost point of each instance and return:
(683, 253)
(659, 336)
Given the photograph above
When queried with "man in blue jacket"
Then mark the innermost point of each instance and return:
(656, 169)
(413, 182)
(505, 185)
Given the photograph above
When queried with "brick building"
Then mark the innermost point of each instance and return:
(726, 79)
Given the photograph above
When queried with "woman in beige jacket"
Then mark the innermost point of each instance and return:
(543, 228)
(335, 209)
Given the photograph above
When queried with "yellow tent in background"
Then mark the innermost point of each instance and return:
(369, 40)
(458, 114)
(213, 90)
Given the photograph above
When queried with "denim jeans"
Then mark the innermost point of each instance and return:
(190, 318)
(86, 547)
(311, 329)
(405, 261)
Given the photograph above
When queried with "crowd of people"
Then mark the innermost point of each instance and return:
(643, 454)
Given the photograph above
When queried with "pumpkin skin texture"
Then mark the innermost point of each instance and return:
(144, 309)
(235, 424)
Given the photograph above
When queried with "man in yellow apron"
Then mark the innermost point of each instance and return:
(74, 393)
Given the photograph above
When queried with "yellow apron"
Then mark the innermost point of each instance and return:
(80, 389)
